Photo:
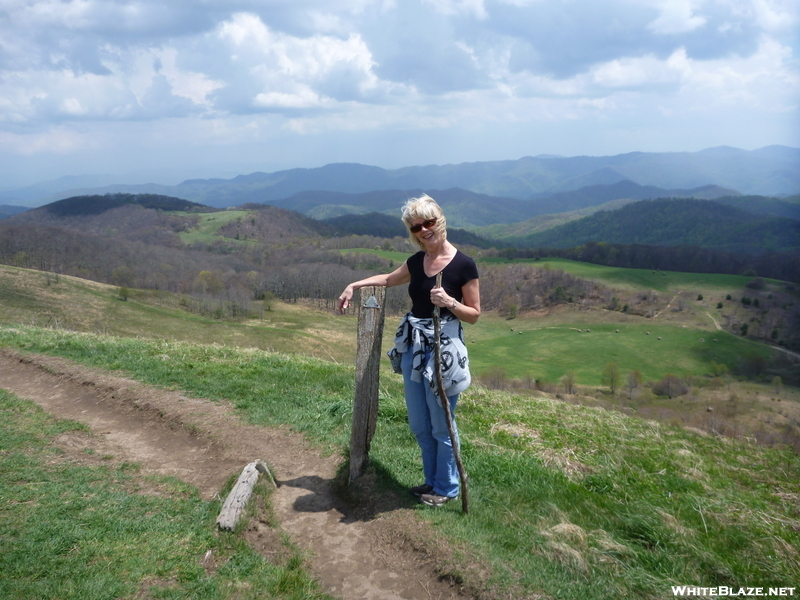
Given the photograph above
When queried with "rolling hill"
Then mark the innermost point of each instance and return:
(674, 222)
(102, 234)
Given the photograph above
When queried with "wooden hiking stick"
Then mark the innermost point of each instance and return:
(437, 355)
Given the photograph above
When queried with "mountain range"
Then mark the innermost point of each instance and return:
(470, 209)
(772, 171)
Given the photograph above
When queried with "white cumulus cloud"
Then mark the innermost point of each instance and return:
(677, 16)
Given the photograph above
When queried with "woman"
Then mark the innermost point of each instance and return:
(413, 355)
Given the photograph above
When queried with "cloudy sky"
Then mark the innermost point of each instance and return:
(222, 87)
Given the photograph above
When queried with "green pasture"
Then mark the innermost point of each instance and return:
(647, 279)
(566, 501)
(209, 224)
(644, 279)
(549, 351)
(396, 257)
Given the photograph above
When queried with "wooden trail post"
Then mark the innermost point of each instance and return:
(368, 354)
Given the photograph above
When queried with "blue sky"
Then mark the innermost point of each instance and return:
(219, 87)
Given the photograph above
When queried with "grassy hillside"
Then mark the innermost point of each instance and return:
(547, 348)
(208, 225)
(566, 501)
(544, 345)
(544, 222)
(643, 278)
(31, 297)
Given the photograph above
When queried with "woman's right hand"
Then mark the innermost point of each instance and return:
(345, 298)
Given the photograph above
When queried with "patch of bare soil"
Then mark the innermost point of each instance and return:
(375, 551)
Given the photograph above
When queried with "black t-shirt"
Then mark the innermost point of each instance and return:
(458, 272)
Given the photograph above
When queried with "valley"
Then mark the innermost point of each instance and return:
(635, 412)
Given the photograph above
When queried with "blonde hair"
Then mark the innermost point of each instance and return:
(424, 207)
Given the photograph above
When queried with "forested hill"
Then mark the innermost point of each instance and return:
(148, 218)
(94, 205)
(674, 222)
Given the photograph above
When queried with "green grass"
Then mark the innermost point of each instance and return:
(269, 388)
(547, 351)
(637, 278)
(209, 225)
(33, 297)
(397, 257)
(566, 501)
(85, 532)
(548, 347)
(586, 503)
(612, 276)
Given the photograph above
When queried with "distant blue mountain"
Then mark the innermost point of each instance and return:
(770, 171)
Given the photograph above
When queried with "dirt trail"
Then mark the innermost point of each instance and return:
(204, 443)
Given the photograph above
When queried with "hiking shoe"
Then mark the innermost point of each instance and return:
(435, 499)
(421, 489)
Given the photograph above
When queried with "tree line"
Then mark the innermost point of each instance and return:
(309, 268)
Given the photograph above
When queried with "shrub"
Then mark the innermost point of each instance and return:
(568, 381)
(495, 378)
(719, 369)
(670, 386)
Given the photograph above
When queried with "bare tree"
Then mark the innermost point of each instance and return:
(569, 381)
(611, 376)
(633, 382)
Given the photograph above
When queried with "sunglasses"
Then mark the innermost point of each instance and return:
(426, 224)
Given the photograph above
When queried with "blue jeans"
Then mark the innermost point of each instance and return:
(429, 425)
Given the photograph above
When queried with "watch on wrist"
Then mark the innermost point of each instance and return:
(454, 305)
